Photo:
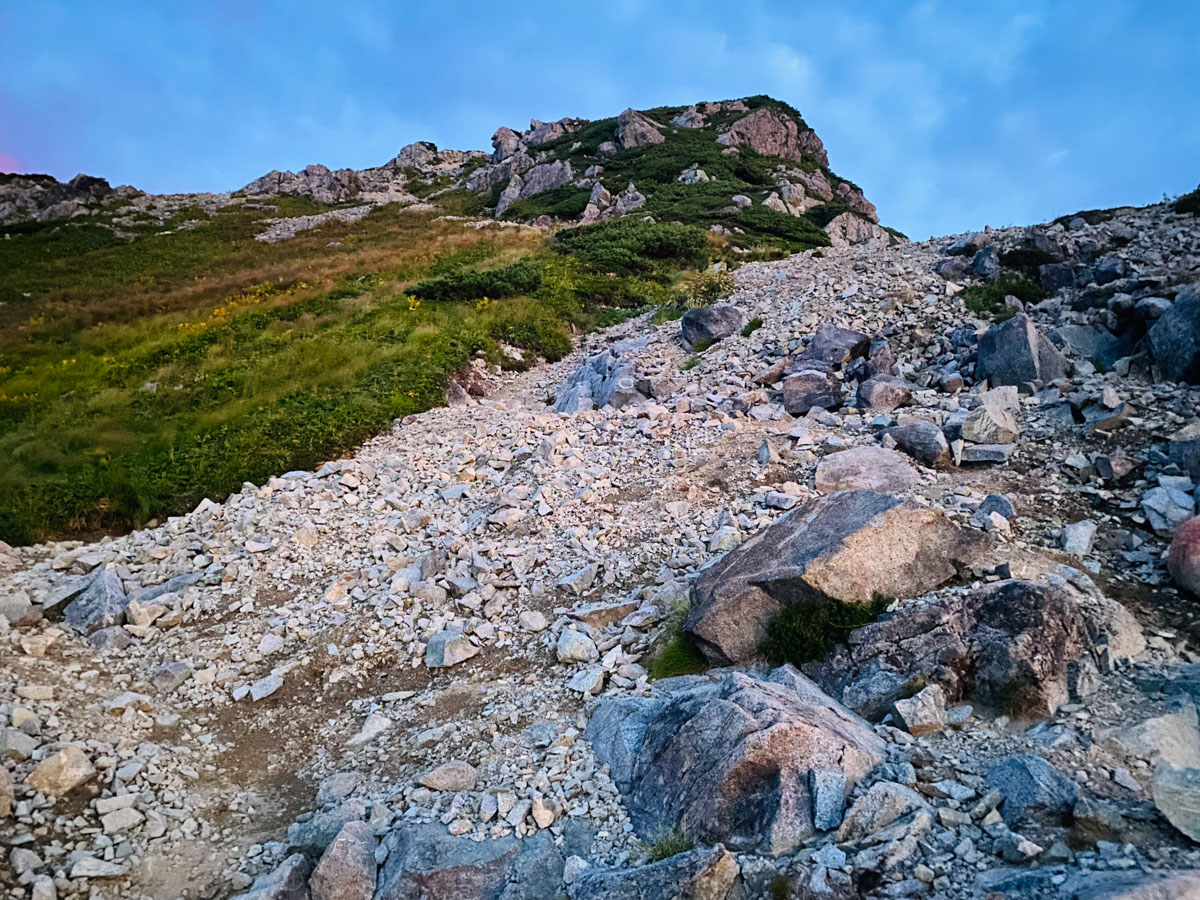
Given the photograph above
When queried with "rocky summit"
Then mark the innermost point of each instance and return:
(871, 573)
(733, 164)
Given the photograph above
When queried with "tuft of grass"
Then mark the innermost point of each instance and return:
(988, 299)
(688, 364)
(807, 631)
(679, 656)
(752, 326)
(701, 345)
(671, 844)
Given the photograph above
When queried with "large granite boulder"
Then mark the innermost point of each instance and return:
(1175, 338)
(710, 323)
(1015, 352)
(867, 468)
(347, 868)
(706, 873)
(771, 132)
(729, 758)
(102, 605)
(852, 546)
(1022, 646)
(811, 388)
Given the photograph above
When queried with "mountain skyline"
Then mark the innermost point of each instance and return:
(949, 119)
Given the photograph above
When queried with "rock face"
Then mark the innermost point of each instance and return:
(1015, 352)
(43, 198)
(729, 759)
(1022, 646)
(710, 323)
(635, 129)
(706, 873)
(771, 133)
(848, 229)
(851, 546)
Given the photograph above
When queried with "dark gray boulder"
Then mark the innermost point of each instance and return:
(985, 264)
(1021, 646)
(1099, 345)
(710, 323)
(1175, 338)
(706, 873)
(102, 605)
(1014, 352)
(1033, 791)
(1108, 269)
(837, 346)
(728, 758)
(425, 862)
(851, 546)
(1056, 276)
(1161, 884)
(810, 389)
(923, 441)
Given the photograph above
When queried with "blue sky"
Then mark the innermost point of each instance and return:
(950, 115)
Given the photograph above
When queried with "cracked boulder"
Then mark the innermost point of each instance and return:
(728, 758)
(1024, 647)
(1015, 352)
(852, 546)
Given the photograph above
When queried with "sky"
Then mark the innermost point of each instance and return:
(950, 115)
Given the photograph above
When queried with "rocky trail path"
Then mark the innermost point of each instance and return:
(422, 671)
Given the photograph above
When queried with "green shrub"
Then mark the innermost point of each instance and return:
(521, 277)
(752, 326)
(1027, 260)
(632, 247)
(566, 202)
(697, 289)
(1188, 203)
(680, 656)
(671, 844)
(988, 299)
(808, 630)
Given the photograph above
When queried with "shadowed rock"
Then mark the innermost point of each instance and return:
(1022, 646)
(729, 758)
(710, 323)
(706, 873)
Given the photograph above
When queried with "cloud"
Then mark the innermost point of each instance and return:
(9, 163)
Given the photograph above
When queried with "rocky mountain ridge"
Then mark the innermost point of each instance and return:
(558, 638)
(706, 163)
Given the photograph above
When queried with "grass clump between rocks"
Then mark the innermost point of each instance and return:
(988, 299)
(807, 631)
(752, 326)
(680, 656)
(671, 844)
